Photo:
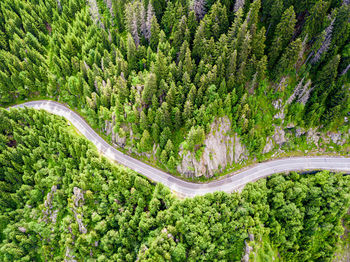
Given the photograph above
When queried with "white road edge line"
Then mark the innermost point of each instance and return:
(184, 188)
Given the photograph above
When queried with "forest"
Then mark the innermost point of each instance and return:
(159, 79)
(154, 75)
(61, 200)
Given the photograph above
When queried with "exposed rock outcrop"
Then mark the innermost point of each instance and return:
(279, 135)
(48, 213)
(312, 136)
(268, 146)
(247, 250)
(78, 199)
(221, 149)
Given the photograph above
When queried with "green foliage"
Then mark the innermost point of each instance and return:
(146, 142)
(283, 34)
(195, 138)
(172, 67)
(59, 199)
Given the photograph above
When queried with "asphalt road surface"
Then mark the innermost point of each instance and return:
(184, 188)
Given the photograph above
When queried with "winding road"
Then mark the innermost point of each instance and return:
(184, 188)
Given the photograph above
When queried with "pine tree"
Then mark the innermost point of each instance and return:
(164, 137)
(188, 64)
(165, 116)
(181, 33)
(324, 84)
(195, 138)
(172, 165)
(146, 142)
(176, 118)
(199, 42)
(159, 7)
(192, 24)
(273, 9)
(326, 77)
(143, 121)
(131, 53)
(164, 157)
(188, 109)
(289, 58)
(261, 69)
(150, 88)
(341, 31)
(134, 31)
(150, 14)
(258, 43)
(155, 30)
(231, 70)
(217, 20)
(155, 132)
(171, 97)
(253, 16)
(169, 17)
(169, 147)
(161, 68)
(283, 34)
(234, 29)
(143, 20)
(315, 21)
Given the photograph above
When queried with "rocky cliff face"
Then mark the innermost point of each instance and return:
(220, 150)
(313, 137)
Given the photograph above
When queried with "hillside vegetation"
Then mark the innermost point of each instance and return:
(60, 200)
(155, 74)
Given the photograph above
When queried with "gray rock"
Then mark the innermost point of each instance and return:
(279, 135)
(22, 229)
(312, 136)
(299, 132)
(220, 150)
(247, 250)
(335, 137)
(268, 146)
(240, 150)
(78, 195)
(47, 211)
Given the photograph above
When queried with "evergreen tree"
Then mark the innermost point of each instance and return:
(195, 138)
(289, 58)
(283, 34)
(199, 42)
(143, 121)
(159, 7)
(315, 21)
(164, 137)
(150, 15)
(131, 54)
(146, 142)
(155, 30)
(150, 89)
(181, 33)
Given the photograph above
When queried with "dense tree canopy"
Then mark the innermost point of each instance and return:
(150, 66)
(60, 200)
(159, 73)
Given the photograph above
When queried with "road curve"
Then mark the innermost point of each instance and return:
(184, 188)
